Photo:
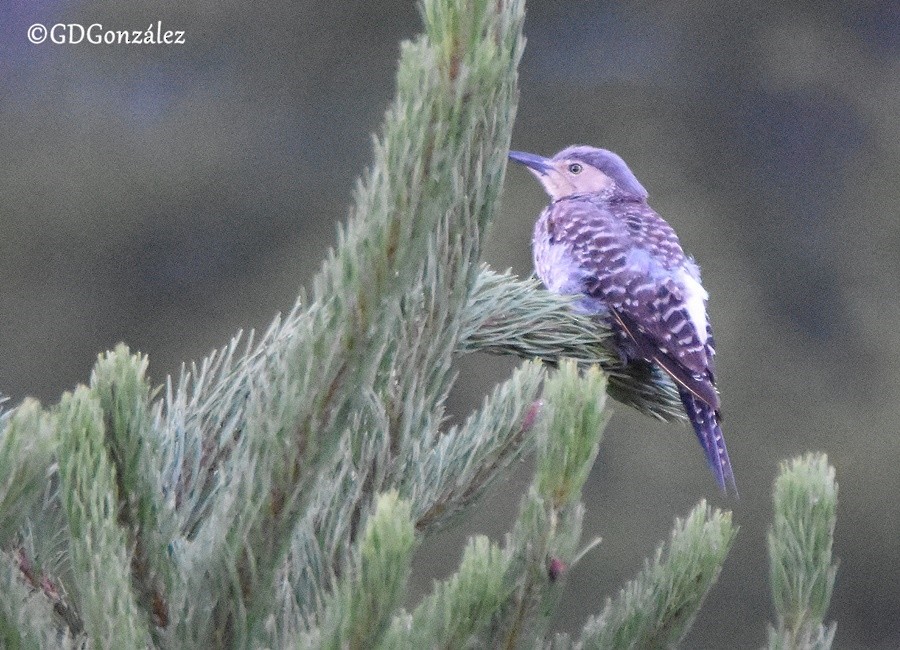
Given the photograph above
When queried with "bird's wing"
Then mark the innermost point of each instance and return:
(636, 267)
(700, 384)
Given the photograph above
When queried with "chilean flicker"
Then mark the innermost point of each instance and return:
(600, 240)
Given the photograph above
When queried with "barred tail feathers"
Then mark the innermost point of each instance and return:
(706, 425)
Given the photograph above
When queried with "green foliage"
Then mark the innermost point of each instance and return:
(27, 447)
(800, 541)
(544, 541)
(358, 613)
(459, 608)
(98, 545)
(118, 380)
(566, 457)
(656, 609)
(273, 495)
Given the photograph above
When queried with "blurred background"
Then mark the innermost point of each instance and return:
(169, 196)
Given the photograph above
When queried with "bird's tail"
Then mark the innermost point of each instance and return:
(709, 433)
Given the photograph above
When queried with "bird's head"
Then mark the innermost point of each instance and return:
(581, 170)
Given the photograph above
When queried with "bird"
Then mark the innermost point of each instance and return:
(599, 240)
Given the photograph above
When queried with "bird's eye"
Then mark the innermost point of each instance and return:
(574, 168)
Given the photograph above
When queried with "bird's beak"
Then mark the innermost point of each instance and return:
(538, 164)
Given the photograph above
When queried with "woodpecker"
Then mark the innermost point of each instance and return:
(600, 240)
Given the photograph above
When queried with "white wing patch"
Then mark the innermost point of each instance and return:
(695, 297)
(559, 270)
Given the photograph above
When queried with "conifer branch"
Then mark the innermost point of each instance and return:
(658, 607)
(449, 473)
(357, 614)
(27, 449)
(546, 535)
(508, 315)
(118, 380)
(385, 308)
(459, 608)
(439, 474)
(101, 560)
(27, 618)
(800, 541)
